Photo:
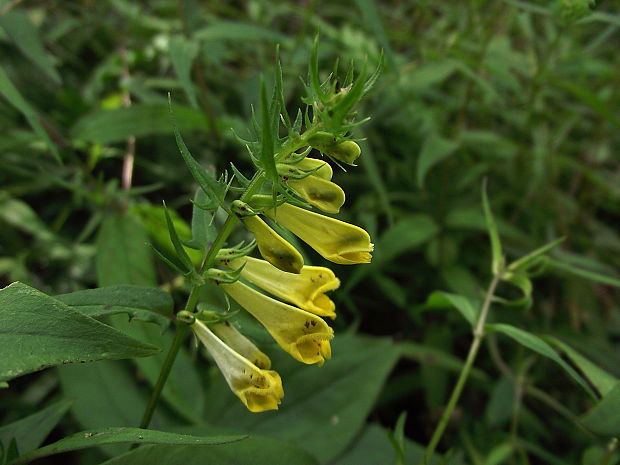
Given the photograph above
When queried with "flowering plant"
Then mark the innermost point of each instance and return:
(285, 189)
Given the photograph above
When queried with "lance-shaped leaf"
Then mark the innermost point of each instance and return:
(106, 436)
(212, 187)
(496, 246)
(29, 432)
(37, 331)
(176, 242)
(268, 134)
(535, 343)
(532, 258)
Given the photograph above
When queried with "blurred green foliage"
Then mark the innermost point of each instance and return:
(523, 93)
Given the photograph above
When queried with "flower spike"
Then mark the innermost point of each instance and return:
(335, 240)
(258, 389)
(303, 335)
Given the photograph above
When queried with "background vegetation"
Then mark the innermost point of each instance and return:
(524, 94)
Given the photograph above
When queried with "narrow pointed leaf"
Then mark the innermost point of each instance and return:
(531, 257)
(538, 345)
(10, 92)
(205, 180)
(31, 431)
(122, 435)
(497, 257)
(176, 242)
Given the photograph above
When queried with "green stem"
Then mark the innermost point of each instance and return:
(469, 363)
(179, 336)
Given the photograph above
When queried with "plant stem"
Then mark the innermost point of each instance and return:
(179, 336)
(469, 363)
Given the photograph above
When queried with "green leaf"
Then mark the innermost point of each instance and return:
(182, 54)
(214, 189)
(10, 92)
(599, 378)
(105, 395)
(139, 120)
(502, 401)
(37, 331)
(603, 419)
(267, 139)
(410, 232)
(373, 446)
(20, 215)
(26, 37)
(139, 302)
(538, 345)
(435, 149)
(398, 438)
(31, 431)
(203, 227)
(120, 435)
(524, 262)
(176, 243)
(583, 273)
(123, 255)
(362, 364)
(497, 257)
(436, 357)
(233, 30)
(467, 309)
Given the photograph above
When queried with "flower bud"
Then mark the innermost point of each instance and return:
(345, 152)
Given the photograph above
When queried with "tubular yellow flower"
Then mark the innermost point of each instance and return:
(273, 247)
(258, 389)
(306, 290)
(303, 335)
(324, 170)
(323, 194)
(241, 344)
(337, 241)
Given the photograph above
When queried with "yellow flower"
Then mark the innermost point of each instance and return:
(303, 335)
(258, 389)
(273, 247)
(241, 344)
(306, 290)
(324, 170)
(323, 194)
(335, 240)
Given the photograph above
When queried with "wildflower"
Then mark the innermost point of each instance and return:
(303, 335)
(337, 241)
(306, 290)
(258, 389)
(273, 247)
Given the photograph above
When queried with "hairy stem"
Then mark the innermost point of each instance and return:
(469, 363)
